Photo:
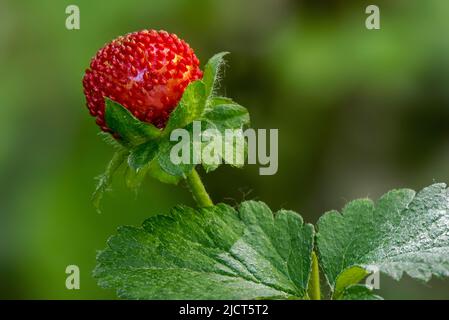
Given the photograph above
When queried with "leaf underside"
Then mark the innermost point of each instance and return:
(403, 232)
(210, 253)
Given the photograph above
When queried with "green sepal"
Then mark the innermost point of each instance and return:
(143, 154)
(131, 131)
(211, 72)
(190, 107)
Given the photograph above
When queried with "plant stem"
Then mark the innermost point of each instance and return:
(198, 190)
(314, 281)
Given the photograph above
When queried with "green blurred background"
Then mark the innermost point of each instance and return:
(359, 112)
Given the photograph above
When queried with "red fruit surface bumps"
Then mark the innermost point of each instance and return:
(145, 71)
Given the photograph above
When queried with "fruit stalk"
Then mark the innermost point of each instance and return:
(198, 190)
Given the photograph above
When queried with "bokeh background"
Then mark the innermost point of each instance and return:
(359, 112)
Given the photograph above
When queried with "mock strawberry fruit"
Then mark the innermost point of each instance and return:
(145, 71)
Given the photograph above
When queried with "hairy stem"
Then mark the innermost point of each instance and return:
(314, 290)
(198, 190)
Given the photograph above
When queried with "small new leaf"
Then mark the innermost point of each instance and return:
(347, 278)
(210, 253)
(402, 232)
(358, 292)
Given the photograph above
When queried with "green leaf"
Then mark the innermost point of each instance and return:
(210, 253)
(228, 116)
(359, 292)
(211, 72)
(190, 107)
(220, 118)
(143, 154)
(104, 180)
(131, 130)
(165, 162)
(402, 232)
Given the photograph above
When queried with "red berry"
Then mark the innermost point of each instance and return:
(146, 71)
